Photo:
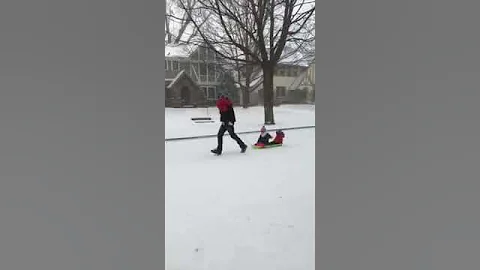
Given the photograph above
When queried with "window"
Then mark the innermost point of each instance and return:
(211, 72)
(218, 72)
(281, 91)
(174, 65)
(166, 67)
(202, 53)
(203, 69)
(212, 93)
(204, 91)
(203, 72)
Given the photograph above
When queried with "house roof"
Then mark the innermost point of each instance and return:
(302, 57)
(296, 57)
(170, 82)
(257, 76)
(179, 50)
(170, 74)
(174, 80)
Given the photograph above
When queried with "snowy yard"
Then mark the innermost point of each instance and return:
(240, 211)
(178, 121)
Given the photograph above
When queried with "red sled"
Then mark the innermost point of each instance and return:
(263, 146)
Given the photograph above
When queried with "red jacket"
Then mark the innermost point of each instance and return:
(279, 138)
(223, 104)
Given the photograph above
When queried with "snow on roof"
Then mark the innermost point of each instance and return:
(290, 57)
(174, 80)
(178, 50)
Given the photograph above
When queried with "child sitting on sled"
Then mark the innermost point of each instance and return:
(279, 135)
(264, 138)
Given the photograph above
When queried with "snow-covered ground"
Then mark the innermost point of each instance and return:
(241, 211)
(178, 122)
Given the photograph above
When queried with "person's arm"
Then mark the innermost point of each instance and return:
(230, 116)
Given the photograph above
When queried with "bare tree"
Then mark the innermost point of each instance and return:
(254, 32)
(244, 69)
(178, 24)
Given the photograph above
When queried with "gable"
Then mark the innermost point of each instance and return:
(181, 76)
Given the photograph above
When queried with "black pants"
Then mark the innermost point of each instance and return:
(223, 128)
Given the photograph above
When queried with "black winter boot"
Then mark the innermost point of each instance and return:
(216, 152)
(244, 148)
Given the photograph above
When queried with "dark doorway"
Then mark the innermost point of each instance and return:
(185, 94)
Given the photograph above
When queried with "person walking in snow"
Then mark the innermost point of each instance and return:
(227, 117)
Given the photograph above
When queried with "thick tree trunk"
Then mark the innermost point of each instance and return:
(245, 96)
(268, 96)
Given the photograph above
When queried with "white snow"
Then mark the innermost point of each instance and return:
(296, 57)
(178, 50)
(178, 122)
(240, 211)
